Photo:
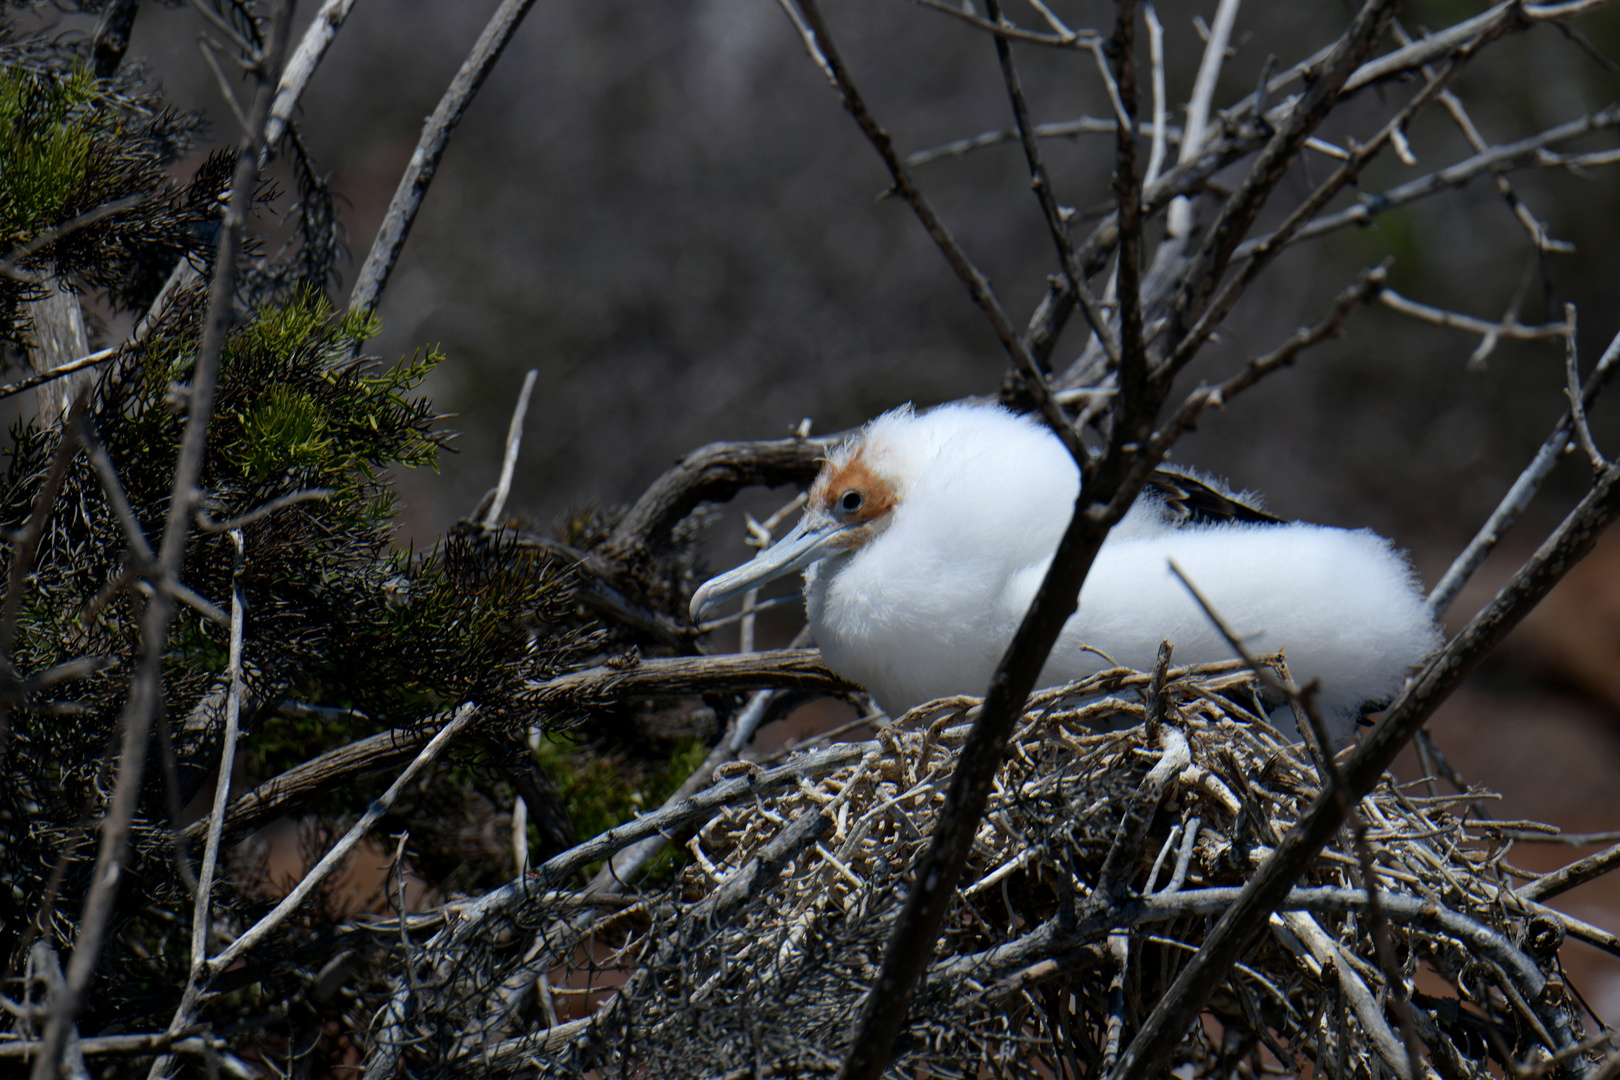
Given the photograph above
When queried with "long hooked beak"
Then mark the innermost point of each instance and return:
(812, 539)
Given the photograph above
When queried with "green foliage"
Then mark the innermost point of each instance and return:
(70, 144)
(303, 438)
(334, 613)
(350, 419)
(600, 792)
(284, 431)
(45, 143)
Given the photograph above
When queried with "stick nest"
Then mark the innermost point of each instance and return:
(1109, 848)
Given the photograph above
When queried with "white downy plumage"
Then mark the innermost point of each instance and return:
(926, 537)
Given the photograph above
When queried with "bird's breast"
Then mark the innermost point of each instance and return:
(909, 629)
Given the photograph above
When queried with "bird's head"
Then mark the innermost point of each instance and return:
(962, 482)
(851, 502)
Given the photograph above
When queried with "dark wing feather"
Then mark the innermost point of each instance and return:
(1189, 500)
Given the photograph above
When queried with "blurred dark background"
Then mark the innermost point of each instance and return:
(664, 209)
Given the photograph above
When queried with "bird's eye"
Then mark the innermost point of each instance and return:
(850, 501)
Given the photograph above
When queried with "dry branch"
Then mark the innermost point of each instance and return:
(1524, 153)
(593, 688)
(323, 30)
(1522, 491)
(424, 165)
(977, 284)
(712, 473)
(1197, 308)
(145, 689)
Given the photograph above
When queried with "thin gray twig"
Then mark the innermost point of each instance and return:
(1519, 496)
(514, 439)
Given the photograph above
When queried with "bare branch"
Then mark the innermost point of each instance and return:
(227, 762)
(1156, 58)
(301, 66)
(1576, 873)
(629, 863)
(1327, 953)
(978, 285)
(595, 687)
(144, 692)
(1572, 391)
(1058, 129)
(514, 439)
(1194, 313)
(1107, 492)
(190, 1043)
(1309, 721)
(1007, 32)
(207, 46)
(100, 356)
(808, 37)
(1452, 320)
(390, 240)
(1056, 220)
(11, 267)
(1221, 241)
(1135, 408)
(111, 38)
(203, 899)
(1207, 397)
(1539, 235)
(1203, 97)
(1524, 489)
(340, 851)
(259, 513)
(1530, 151)
(1567, 10)
(712, 473)
(246, 48)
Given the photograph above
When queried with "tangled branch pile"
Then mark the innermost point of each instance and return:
(1106, 854)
